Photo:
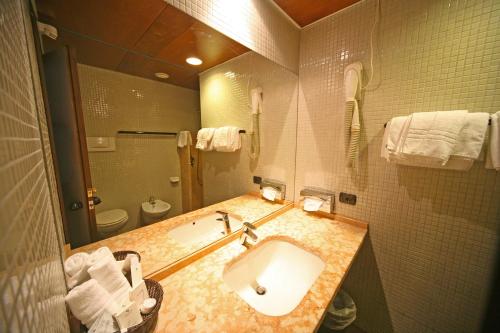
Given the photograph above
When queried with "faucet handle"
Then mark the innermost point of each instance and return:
(249, 225)
(221, 212)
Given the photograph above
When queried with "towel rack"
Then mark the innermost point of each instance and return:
(157, 133)
(147, 133)
(489, 123)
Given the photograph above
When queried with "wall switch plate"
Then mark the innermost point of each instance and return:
(257, 180)
(347, 198)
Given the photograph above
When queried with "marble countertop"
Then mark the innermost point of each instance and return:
(196, 298)
(158, 250)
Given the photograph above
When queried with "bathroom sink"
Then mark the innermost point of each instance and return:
(203, 229)
(274, 276)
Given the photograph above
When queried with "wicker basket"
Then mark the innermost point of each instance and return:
(149, 321)
(121, 255)
(154, 290)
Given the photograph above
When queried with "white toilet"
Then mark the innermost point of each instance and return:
(110, 221)
(154, 210)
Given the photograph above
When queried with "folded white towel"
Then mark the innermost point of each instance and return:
(453, 163)
(109, 275)
(227, 139)
(184, 139)
(204, 139)
(79, 277)
(493, 155)
(75, 263)
(393, 138)
(88, 300)
(471, 138)
(99, 254)
(432, 135)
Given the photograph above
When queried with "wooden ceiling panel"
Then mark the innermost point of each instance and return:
(120, 22)
(138, 65)
(307, 12)
(138, 37)
(167, 27)
(88, 51)
(191, 39)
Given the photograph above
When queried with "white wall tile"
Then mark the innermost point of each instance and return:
(433, 234)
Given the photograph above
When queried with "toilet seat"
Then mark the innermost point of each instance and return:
(111, 217)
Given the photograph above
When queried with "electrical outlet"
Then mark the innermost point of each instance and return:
(347, 198)
(257, 180)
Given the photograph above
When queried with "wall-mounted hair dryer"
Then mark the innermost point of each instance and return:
(352, 89)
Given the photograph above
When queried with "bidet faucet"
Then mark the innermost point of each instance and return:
(247, 232)
(152, 200)
(225, 219)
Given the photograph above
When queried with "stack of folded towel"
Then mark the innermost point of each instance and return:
(101, 296)
(222, 139)
(443, 139)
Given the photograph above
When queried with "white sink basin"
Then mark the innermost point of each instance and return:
(158, 208)
(285, 271)
(203, 229)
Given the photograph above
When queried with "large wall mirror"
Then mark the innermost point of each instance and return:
(128, 82)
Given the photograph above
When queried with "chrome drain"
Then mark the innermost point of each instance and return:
(260, 290)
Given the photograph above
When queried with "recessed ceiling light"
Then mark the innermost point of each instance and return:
(161, 75)
(194, 61)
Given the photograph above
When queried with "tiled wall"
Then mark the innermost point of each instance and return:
(257, 24)
(224, 96)
(32, 283)
(141, 165)
(433, 234)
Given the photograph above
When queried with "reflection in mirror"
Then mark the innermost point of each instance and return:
(138, 96)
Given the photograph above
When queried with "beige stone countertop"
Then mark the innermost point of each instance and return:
(196, 298)
(158, 250)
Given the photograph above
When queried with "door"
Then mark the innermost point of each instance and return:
(65, 106)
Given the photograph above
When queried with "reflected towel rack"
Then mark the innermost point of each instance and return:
(157, 133)
(489, 123)
(147, 133)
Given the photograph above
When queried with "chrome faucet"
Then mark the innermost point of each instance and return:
(152, 200)
(247, 232)
(225, 219)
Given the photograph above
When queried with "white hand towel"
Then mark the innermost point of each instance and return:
(471, 138)
(227, 139)
(433, 135)
(204, 139)
(453, 163)
(392, 137)
(493, 155)
(99, 254)
(109, 275)
(184, 139)
(75, 263)
(88, 301)
(391, 145)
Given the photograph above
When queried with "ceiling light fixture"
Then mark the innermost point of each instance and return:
(162, 75)
(194, 61)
